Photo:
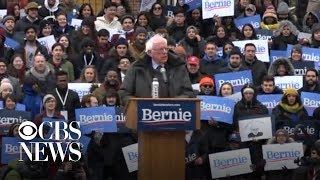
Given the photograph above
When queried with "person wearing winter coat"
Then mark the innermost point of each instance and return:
(50, 8)
(32, 18)
(315, 38)
(290, 108)
(268, 86)
(193, 43)
(109, 20)
(235, 62)
(269, 19)
(286, 33)
(309, 19)
(281, 67)
(281, 136)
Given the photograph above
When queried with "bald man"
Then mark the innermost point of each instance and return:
(174, 82)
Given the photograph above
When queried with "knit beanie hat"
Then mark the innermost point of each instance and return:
(121, 41)
(297, 47)
(281, 131)
(139, 30)
(87, 42)
(8, 17)
(4, 86)
(206, 80)
(47, 98)
(235, 51)
(291, 91)
(283, 8)
(43, 23)
(270, 12)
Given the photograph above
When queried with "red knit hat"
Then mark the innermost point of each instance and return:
(206, 80)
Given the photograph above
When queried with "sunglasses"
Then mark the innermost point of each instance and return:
(157, 8)
(207, 86)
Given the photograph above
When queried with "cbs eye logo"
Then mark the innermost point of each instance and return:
(27, 130)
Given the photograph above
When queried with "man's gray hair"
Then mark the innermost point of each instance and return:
(154, 40)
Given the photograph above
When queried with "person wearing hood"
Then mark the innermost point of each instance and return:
(109, 20)
(268, 86)
(235, 62)
(290, 108)
(309, 19)
(137, 47)
(269, 19)
(193, 43)
(296, 54)
(281, 136)
(211, 62)
(50, 8)
(286, 33)
(281, 67)
(257, 67)
(315, 37)
(248, 105)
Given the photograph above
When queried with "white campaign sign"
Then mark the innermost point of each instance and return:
(236, 96)
(285, 82)
(81, 88)
(76, 23)
(47, 42)
(230, 163)
(146, 5)
(130, 154)
(3, 12)
(255, 129)
(262, 48)
(279, 155)
(221, 8)
(196, 86)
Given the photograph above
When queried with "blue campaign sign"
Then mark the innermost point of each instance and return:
(237, 79)
(8, 117)
(308, 54)
(275, 54)
(162, 115)
(170, 10)
(311, 127)
(253, 20)
(11, 43)
(219, 108)
(121, 120)
(264, 34)
(301, 67)
(193, 4)
(19, 107)
(270, 100)
(310, 101)
(11, 149)
(96, 119)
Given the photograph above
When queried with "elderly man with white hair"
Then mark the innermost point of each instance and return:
(173, 82)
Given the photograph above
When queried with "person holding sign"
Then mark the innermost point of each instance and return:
(268, 86)
(286, 33)
(281, 136)
(290, 108)
(281, 67)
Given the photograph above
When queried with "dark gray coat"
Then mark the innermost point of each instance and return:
(138, 79)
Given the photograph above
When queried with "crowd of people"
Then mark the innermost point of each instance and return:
(121, 51)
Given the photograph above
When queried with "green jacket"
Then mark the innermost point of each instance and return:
(66, 66)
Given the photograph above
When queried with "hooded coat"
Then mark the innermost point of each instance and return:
(244, 109)
(279, 41)
(305, 27)
(46, 10)
(281, 61)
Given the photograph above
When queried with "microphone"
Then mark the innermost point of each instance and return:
(164, 74)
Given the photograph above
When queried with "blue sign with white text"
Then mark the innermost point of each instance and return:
(160, 115)
(310, 101)
(121, 120)
(264, 34)
(253, 20)
(219, 108)
(193, 4)
(311, 127)
(237, 79)
(11, 43)
(301, 67)
(270, 100)
(11, 149)
(96, 119)
(308, 54)
(275, 54)
(8, 117)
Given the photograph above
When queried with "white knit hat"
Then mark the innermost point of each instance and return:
(5, 85)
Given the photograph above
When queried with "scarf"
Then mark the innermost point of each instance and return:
(40, 76)
(194, 44)
(292, 109)
(139, 46)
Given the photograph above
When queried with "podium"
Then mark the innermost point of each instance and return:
(161, 124)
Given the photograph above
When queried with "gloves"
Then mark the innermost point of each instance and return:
(97, 137)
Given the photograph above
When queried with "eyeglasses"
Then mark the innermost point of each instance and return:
(207, 86)
(157, 8)
(163, 50)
